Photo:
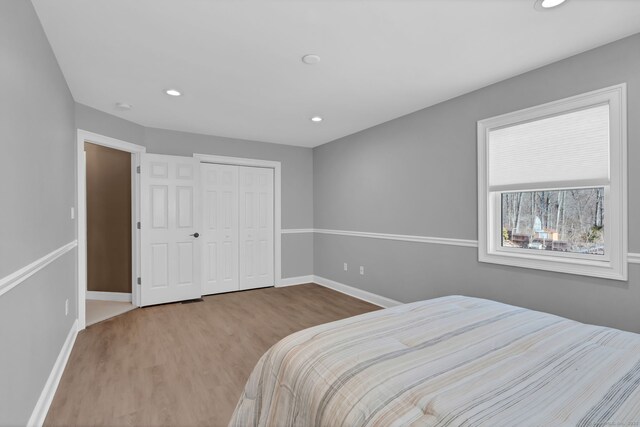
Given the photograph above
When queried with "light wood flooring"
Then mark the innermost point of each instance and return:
(184, 364)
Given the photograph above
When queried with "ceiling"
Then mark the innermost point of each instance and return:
(238, 62)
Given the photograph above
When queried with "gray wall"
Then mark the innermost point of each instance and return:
(297, 254)
(33, 328)
(96, 121)
(37, 190)
(417, 175)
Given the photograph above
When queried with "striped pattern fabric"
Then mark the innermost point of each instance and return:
(452, 361)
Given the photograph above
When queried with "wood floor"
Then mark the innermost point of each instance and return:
(184, 364)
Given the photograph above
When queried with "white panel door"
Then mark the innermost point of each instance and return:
(169, 226)
(220, 229)
(256, 227)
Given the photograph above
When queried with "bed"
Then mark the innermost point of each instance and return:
(451, 361)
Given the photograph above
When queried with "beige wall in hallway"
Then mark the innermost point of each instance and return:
(108, 219)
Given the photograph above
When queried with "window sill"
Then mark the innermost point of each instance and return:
(583, 267)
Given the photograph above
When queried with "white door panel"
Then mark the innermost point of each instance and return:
(169, 219)
(256, 227)
(220, 231)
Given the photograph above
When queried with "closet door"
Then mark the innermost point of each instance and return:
(220, 231)
(256, 227)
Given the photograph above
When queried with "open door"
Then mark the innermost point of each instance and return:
(170, 217)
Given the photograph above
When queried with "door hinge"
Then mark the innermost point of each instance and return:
(138, 169)
(139, 280)
(139, 225)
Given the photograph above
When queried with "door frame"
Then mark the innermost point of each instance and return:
(277, 200)
(81, 197)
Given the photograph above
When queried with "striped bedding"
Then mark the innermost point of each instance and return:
(452, 361)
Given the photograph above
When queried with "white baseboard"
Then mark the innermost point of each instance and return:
(46, 397)
(340, 287)
(291, 281)
(109, 296)
(356, 293)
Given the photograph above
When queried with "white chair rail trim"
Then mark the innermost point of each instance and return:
(385, 236)
(633, 258)
(14, 279)
(297, 230)
(402, 237)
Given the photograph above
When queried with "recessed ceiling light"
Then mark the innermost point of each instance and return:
(311, 59)
(547, 4)
(173, 92)
(123, 106)
(316, 119)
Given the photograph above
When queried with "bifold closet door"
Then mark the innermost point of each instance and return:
(220, 231)
(256, 227)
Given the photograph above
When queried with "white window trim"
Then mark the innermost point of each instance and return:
(614, 265)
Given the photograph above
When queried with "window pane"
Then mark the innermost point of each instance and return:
(556, 220)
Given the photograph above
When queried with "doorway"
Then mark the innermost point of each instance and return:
(109, 256)
(108, 238)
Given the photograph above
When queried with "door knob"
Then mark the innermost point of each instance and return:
(196, 235)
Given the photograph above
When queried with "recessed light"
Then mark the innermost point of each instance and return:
(311, 59)
(316, 119)
(173, 92)
(123, 106)
(547, 4)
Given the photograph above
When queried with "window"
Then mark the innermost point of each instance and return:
(552, 186)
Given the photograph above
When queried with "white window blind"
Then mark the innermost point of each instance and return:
(567, 150)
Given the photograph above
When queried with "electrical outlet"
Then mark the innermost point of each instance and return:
(362, 270)
(66, 307)
(346, 267)
(73, 212)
